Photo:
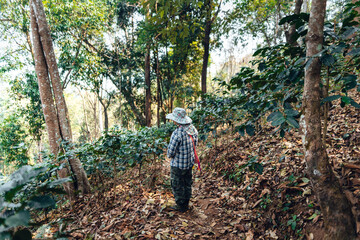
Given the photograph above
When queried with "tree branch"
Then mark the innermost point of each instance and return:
(76, 56)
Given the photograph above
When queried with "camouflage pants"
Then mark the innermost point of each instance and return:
(181, 181)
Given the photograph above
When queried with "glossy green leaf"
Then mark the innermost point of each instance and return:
(346, 100)
(282, 133)
(293, 122)
(331, 98)
(339, 48)
(259, 168)
(291, 112)
(250, 130)
(19, 219)
(40, 202)
(274, 115)
(327, 60)
(350, 31)
(355, 104)
(59, 181)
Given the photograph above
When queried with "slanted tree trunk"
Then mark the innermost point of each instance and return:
(336, 209)
(81, 180)
(48, 49)
(148, 87)
(47, 102)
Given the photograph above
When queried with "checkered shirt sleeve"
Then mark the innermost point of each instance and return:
(181, 149)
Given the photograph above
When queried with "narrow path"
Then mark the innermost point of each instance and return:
(133, 211)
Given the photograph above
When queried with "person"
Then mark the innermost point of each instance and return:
(181, 151)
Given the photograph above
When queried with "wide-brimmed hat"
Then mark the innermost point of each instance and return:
(179, 116)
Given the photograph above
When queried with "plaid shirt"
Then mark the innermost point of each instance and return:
(181, 149)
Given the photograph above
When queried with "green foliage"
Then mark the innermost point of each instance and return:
(257, 18)
(13, 144)
(272, 88)
(213, 113)
(27, 189)
(252, 165)
(275, 88)
(119, 149)
(28, 89)
(292, 222)
(265, 201)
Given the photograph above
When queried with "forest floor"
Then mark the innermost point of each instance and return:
(229, 200)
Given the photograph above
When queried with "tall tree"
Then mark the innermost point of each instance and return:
(336, 209)
(147, 87)
(210, 17)
(48, 106)
(49, 65)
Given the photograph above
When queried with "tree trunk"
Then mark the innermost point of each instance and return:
(336, 209)
(158, 93)
(148, 87)
(47, 102)
(65, 129)
(206, 45)
(130, 99)
(88, 134)
(290, 34)
(106, 116)
(48, 49)
(101, 123)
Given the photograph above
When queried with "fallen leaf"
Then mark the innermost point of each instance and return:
(249, 235)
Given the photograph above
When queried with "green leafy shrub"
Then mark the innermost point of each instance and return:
(13, 144)
(120, 148)
(29, 189)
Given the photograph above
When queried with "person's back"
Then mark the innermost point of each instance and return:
(181, 151)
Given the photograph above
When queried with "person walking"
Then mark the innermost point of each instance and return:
(181, 151)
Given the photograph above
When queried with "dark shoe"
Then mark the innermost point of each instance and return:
(179, 208)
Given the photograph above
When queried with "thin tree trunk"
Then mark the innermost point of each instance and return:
(148, 87)
(101, 123)
(290, 34)
(106, 116)
(48, 50)
(39, 149)
(336, 208)
(95, 117)
(85, 117)
(326, 105)
(158, 94)
(47, 101)
(206, 45)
